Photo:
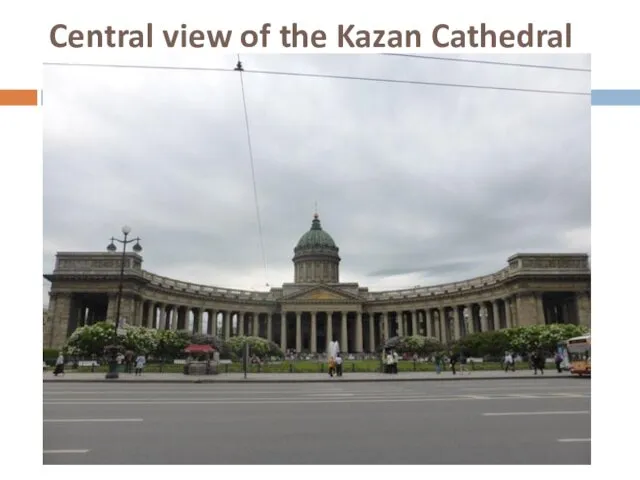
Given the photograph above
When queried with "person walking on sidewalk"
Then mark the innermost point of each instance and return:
(454, 357)
(558, 361)
(59, 365)
(140, 362)
(509, 363)
(339, 365)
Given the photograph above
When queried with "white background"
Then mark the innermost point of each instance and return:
(605, 30)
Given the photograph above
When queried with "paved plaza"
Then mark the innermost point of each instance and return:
(477, 421)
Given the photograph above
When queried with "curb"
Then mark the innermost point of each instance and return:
(347, 380)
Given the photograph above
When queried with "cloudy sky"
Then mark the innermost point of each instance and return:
(418, 185)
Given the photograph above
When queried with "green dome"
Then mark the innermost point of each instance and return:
(316, 238)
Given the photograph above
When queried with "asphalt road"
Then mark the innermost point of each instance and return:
(470, 422)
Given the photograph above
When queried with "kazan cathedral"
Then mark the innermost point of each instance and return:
(304, 315)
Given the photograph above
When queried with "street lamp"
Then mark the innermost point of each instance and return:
(113, 363)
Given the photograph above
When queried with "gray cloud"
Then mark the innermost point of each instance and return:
(416, 184)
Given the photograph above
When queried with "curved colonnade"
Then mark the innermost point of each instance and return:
(532, 289)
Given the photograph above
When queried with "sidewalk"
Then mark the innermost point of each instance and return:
(302, 377)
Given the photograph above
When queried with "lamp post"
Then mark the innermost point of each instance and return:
(114, 348)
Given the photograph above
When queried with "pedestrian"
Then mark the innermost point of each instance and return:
(332, 366)
(558, 360)
(438, 360)
(339, 365)
(389, 362)
(508, 362)
(537, 361)
(128, 361)
(395, 361)
(59, 365)
(140, 362)
(453, 360)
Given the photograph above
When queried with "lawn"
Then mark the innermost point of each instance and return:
(307, 366)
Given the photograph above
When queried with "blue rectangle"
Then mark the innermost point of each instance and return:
(615, 97)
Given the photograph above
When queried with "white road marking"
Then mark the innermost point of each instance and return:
(512, 414)
(64, 451)
(398, 399)
(325, 397)
(330, 395)
(572, 440)
(90, 420)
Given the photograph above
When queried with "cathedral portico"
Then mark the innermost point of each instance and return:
(306, 314)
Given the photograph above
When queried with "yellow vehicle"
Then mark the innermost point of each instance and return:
(579, 349)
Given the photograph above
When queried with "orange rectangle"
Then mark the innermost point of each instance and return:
(18, 98)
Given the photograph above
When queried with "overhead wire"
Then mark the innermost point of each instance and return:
(239, 68)
(488, 62)
(327, 76)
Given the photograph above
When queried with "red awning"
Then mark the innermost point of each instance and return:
(199, 349)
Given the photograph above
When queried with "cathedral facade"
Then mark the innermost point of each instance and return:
(316, 307)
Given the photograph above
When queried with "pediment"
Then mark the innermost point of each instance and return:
(322, 294)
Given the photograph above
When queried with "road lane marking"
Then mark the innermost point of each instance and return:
(324, 397)
(332, 394)
(513, 414)
(572, 440)
(285, 401)
(64, 451)
(90, 420)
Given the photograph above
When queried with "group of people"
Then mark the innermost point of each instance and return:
(127, 359)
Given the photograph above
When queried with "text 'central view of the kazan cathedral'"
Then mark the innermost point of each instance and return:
(306, 314)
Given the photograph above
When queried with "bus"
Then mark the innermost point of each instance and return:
(579, 349)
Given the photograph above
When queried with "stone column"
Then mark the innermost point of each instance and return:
(344, 341)
(428, 327)
(213, 323)
(298, 332)
(583, 304)
(507, 313)
(270, 327)
(151, 315)
(197, 320)
(456, 323)
(372, 333)
(484, 319)
(226, 324)
(329, 330)
(414, 322)
(400, 321)
(359, 348)
(139, 312)
(240, 324)
(443, 325)
(175, 314)
(314, 334)
(495, 308)
(162, 308)
(469, 329)
(283, 331)
(255, 331)
(385, 326)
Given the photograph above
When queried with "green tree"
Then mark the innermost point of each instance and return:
(170, 343)
(90, 340)
(139, 340)
(257, 346)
